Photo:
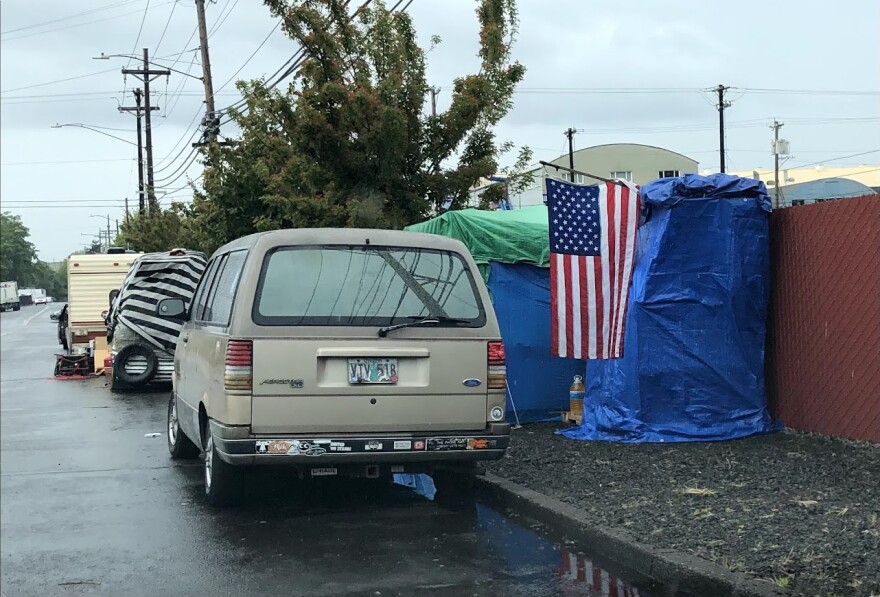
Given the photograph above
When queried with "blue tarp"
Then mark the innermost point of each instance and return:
(538, 383)
(693, 361)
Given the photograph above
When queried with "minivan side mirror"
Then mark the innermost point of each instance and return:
(171, 308)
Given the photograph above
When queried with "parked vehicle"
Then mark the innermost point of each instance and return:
(90, 280)
(9, 296)
(141, 344)
(37, 295)
(338, 352)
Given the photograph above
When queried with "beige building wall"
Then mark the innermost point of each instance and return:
(868, 175)
(644, 162)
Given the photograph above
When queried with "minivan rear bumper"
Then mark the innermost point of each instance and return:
(237, 446)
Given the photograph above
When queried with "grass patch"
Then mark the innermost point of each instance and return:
(782, 581)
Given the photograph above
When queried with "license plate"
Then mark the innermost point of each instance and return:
(367, 371)
(327, 471)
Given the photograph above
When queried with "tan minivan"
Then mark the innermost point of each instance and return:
(338, 352)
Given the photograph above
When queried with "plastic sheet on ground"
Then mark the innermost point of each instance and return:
(693, 363)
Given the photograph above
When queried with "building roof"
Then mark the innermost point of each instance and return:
(594, 147)
(825, 188)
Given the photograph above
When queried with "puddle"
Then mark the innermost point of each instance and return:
(529, 554)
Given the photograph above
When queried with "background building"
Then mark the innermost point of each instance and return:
(866, 174)
(825, 189)
(628, 161)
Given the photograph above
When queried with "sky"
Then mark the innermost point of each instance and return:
(634, 71)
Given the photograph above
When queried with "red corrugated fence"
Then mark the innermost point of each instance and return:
(823, 357)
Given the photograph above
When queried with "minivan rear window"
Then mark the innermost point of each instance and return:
(365, 286)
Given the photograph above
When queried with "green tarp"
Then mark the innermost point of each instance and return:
(517, 236)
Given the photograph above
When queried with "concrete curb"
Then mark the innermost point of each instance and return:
(673, 569)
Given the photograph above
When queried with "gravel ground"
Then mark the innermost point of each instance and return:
(799, 510)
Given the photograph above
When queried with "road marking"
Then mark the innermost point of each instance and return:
(9, 410)
(34, 316)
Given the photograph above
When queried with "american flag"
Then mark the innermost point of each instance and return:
(592, 248)
(581, 571)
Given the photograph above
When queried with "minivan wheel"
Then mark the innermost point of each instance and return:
(224, 483)
(179, 445)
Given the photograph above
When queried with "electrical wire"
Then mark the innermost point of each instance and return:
(138, 38)
(843, 157)
(251, 57)
(222, 18)
(181, 140)
(168, 22)
(181, 169)
(101, 72)
(73, 16)
(78, 24)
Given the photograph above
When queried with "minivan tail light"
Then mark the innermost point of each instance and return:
(497, 377)
(239, 374)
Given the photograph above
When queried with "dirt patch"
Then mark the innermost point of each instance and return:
(801, 511)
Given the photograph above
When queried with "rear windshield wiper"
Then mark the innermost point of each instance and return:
(420, 322)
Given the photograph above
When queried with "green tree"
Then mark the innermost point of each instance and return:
(349, 143)
(160, 230)
(19, 263)
(17, 254)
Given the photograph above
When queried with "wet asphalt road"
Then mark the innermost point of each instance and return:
(92, 505)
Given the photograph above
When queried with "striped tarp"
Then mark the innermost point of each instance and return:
(153, 277)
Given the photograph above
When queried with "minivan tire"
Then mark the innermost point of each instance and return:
(179, 445)
(125, 354)
(224, 483)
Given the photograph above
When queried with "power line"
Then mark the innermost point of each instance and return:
(809, 91)
(221, 18)
(843, 157)
(251, 57)
(168, 22)
(73, 16)
(138, 38)
(78, 24)
(180, 171)
(109, 70)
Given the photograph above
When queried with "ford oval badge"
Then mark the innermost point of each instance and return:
(471, 383)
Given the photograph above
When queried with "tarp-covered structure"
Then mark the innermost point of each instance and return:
(512, 250)
(152, 278)
(693, 356)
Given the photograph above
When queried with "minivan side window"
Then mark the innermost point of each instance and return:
(198, 303)
(222, 293)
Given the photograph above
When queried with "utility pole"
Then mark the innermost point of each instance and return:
(569, 132)
(211, 130)
(721, 105)
(138, 110)
(126, 210)
(117, 227)
(435, 91)
(108, 231)
(776, 126)
(146, 74)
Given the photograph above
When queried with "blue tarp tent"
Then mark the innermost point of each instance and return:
(538, 382)
(512, 250)
(693, 361)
